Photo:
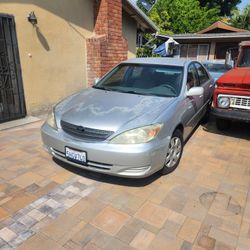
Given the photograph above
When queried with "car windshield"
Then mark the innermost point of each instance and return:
(244, 61)
(217, 67)
(144, 79)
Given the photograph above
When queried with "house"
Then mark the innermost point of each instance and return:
(210, 43)
(51, 49)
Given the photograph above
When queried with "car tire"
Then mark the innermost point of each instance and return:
(174, 153)
(222, 124)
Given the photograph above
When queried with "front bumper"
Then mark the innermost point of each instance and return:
(231, 114)
(138, 160)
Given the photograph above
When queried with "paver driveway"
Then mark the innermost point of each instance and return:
(204, 204)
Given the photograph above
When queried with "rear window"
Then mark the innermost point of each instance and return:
(244, 60)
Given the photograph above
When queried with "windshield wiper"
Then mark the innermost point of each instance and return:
(132, 92)
(161, 95)
(138, 93)
(103, 88)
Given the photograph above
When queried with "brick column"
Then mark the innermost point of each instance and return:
(107, 47)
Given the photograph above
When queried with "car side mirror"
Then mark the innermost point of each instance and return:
(194, 91)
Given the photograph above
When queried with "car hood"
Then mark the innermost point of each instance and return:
(113, 111)
(236, 76)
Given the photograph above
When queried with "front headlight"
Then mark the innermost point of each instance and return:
(223, 102)
(138, 135)
(51, 121)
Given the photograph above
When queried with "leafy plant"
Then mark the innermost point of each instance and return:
(182, 16)
(241, 20)
(225, 6)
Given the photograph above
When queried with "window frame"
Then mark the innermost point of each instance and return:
(196, 74)
(208, 78)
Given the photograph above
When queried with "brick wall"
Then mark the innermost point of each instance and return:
(107, 47)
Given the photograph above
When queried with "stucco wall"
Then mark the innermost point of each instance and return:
(53, 55)
(129, 32)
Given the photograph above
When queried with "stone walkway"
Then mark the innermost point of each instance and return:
(204, 204)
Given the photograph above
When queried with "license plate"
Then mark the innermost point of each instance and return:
(75, 155)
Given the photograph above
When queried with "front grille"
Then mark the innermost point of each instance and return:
(240, 102)
(88, 134)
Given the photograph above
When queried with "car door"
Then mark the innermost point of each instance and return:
(193, 104)
(205, 82)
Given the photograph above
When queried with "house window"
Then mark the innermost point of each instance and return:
(183, 50)
(139, 40)
(203, 51)
(194, 51)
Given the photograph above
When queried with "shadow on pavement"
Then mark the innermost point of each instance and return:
(134, 182)
(237, 129)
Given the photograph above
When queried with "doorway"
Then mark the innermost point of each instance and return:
(12, 103)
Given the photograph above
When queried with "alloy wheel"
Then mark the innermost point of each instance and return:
(174, 152)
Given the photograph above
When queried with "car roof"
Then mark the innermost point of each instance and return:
(159, 61)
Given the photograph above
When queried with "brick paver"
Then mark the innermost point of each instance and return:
(204, 204)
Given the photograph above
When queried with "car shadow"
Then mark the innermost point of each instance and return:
(237, 130)
(122, 181)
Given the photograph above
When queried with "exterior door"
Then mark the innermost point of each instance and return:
(12, 105)
(193, 104)
(205, 82)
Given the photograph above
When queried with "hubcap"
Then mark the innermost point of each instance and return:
(174, 152)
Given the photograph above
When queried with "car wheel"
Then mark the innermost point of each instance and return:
(222, 124)
(174, 153)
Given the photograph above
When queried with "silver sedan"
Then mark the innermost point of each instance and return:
(134, 121)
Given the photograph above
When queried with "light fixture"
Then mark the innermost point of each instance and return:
(32, 18)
